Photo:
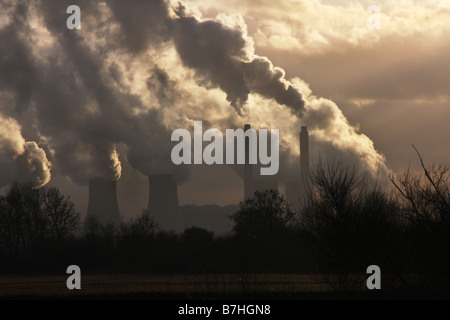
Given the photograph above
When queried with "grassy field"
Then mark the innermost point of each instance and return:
(204, 286)
(239, 286)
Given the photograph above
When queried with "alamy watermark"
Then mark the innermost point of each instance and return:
(74, 20)
(374, 20)
(374, 281)
(234, 141)
(74, 280)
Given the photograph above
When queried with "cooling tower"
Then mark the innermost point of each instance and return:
(163, 202)
(248, 168)
(103, 201)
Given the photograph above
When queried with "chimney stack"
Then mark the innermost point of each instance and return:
(296, 189)
(103, 201)
(304, 153)
(163, 202)
(248, 168)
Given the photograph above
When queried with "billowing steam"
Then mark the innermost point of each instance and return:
(20, 160)
(132, 74)
(224, 57)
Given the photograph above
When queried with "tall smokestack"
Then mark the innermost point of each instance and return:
(163, 202)
(295, 189)
(248, 168)
(304, 153)
(103, 201)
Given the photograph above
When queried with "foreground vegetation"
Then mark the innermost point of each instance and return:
(344, 224)
(186, 287)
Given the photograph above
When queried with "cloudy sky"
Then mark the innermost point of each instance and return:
(102, 101)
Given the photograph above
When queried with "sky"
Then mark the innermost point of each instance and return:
(103, 100)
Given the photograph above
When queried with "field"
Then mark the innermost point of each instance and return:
(105, 286)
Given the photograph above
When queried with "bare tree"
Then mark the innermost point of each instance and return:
(62, 219)
(143, 227)
(351, 224)
(426, 200)
(425, 204)
(28, 215)
(92, 227)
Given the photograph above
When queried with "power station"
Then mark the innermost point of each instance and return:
(163, 203)
(297, 188)
(103, 201)
(304, 155)
(248, 168)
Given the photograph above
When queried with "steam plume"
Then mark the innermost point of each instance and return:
(133, 73)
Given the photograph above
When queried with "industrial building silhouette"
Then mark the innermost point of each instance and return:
(103, 201)
(163, 203)
(296, 188)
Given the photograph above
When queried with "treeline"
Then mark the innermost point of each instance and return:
(40, 232)
(345, 223)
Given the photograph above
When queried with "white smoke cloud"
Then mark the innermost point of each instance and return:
(328, 124)
(259, 76)
(20, 160)
(318, 26)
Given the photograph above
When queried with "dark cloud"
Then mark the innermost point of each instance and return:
(143, 23)
(18, 74)
(265, 79)
(215, 52)
(164, 88)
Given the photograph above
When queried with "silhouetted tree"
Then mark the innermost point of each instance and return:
(350, 224)
(262, 216)
(62, 217)
(142, 228)
(198, 249)
(197, 235)
(28, 215)
(261, 230)
(425, 204)
(136, 242)
(92, 227)
(106, 232)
